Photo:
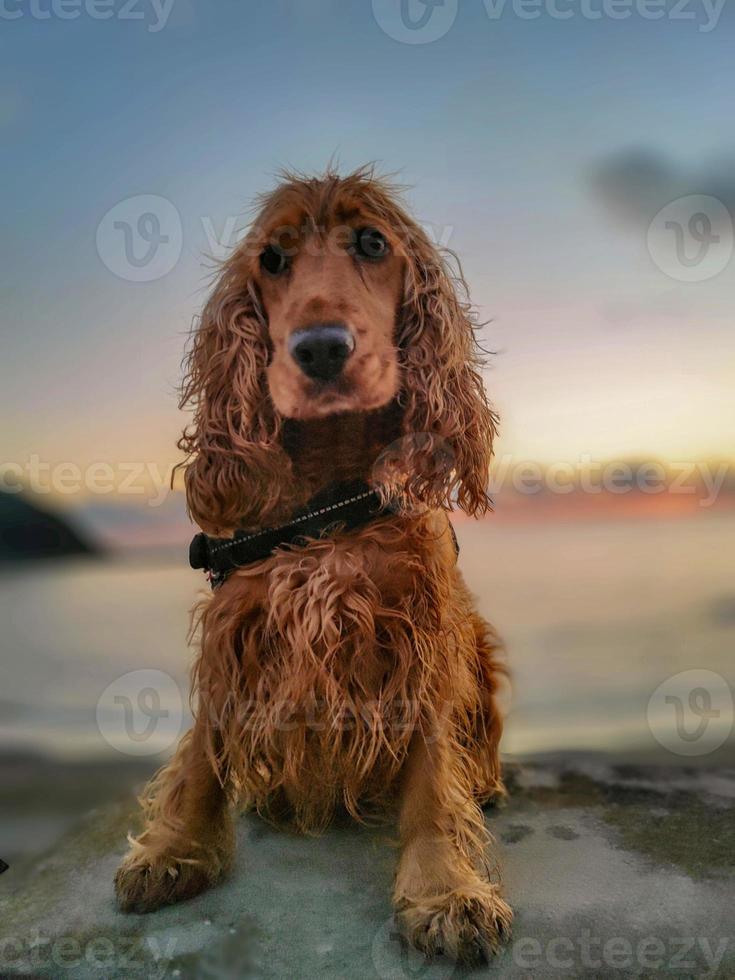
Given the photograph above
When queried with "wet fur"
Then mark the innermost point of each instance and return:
(353, 672)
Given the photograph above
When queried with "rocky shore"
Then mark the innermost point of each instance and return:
(613, 870)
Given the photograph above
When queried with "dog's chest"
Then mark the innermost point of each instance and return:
(332, 605)
(332, 620)
(330, 661)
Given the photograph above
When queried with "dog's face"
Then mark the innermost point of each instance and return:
(330, 293)
(335, 303)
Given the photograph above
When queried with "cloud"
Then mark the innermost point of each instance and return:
(634, 184)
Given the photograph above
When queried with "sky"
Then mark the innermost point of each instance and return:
(540, 150)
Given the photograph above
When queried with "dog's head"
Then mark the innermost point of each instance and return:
(336, 301)
(328, 268)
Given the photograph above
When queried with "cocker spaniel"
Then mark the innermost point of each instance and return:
(339, 413)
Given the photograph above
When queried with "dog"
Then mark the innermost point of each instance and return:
(346, 669)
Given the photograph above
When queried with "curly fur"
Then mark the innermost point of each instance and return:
(318, 696)
(238, 473)
(352, 672)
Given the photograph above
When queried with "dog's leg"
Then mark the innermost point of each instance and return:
(188, 841)
(443, 899)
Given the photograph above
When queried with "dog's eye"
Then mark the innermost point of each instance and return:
(369, 243)
(273, 260)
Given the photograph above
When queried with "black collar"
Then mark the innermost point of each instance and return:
(342, 506)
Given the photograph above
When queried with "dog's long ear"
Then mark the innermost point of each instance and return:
(442, 389)
(236, 471)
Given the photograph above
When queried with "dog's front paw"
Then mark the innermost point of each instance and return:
(146, 880)
(467, 924)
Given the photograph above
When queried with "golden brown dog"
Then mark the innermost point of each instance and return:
(349, 671)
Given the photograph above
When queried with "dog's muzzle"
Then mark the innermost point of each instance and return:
(321, 350)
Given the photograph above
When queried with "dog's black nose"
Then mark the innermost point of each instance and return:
(321, 351)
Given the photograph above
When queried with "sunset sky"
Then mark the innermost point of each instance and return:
(539, 150)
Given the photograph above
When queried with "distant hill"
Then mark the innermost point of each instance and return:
(28, 532)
